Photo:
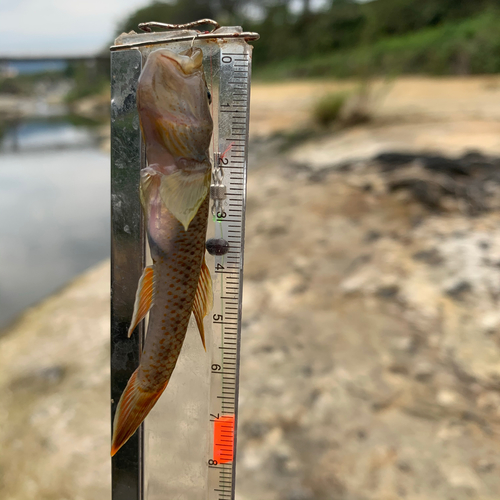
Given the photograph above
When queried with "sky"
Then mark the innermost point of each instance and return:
(60, 27)
(65, 27)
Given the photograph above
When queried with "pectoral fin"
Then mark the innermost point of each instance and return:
(144, 297)
(183, 193)
(150, 181)
(203, 299)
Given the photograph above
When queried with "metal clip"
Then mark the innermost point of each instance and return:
(148, 27)
(217, 188)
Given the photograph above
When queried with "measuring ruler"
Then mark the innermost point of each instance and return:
(234, 95)
(204, 387)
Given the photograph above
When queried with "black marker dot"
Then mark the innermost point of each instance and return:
(217, 246)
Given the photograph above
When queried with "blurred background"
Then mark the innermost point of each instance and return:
(371, 336)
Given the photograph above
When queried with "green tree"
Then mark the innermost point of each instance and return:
(172, 13)
(184, 11)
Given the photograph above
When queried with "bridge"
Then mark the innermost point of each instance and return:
(4, 59)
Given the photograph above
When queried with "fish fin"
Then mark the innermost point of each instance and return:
(150, 180)
(203, 299)
(183, 193)
(133, 407)
(144, 297)
(176, 136)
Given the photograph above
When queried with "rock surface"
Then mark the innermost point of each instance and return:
(370, 354)
(54, 393)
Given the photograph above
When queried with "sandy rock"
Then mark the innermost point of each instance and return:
(54, 388)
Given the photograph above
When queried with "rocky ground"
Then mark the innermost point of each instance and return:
(371, 360)
(54, 389)
(371, 337)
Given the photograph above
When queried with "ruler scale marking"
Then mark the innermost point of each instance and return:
(233, 128)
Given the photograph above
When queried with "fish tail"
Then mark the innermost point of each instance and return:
(133, 407)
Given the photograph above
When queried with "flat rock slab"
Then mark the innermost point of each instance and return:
(363, 143)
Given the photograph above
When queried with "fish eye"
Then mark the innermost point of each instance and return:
(209, 95)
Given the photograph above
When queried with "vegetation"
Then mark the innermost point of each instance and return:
(467, 47)
(345, 38)
(348, 38)
(87, 80)
(328, 108)
(25, 84)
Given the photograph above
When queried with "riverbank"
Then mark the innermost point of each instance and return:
(370, 343)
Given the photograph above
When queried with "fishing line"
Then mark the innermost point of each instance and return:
(212, 102)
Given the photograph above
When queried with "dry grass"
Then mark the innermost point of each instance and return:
(327, 109)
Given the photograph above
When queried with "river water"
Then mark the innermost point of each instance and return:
(54, 210)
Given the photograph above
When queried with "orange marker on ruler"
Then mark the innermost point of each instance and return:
(224, 439)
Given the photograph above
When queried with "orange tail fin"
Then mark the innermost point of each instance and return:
(133, 407)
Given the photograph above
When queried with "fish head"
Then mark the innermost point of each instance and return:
(173, 103)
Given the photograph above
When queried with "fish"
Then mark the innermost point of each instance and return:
(176, 125)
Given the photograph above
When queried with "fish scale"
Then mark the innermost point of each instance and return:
(176, 285)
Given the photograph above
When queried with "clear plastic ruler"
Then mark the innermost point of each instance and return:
(229, 218)
(186, 447)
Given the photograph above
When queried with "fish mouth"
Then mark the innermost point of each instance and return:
(175, 61)
(188, 63)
